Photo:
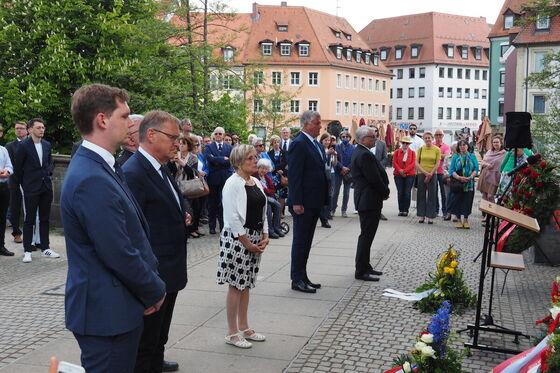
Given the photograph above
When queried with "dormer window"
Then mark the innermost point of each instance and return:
(285, 49)
(228, 54)
(349, 54)
(337, 34)
(398, 53)
(543, 23)
(383, 54)
(508, 21)
(339, 53)
(376, 59)
(449, 49)
(464, 52)
(282, 26)
(348, 36)
(367, 58)
(414, 52)
(303, 49)
(478, 53)
(266, 48)
(358, 56)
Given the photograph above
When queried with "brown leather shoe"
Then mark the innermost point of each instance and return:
(17, 239)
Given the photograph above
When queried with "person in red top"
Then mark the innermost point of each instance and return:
(404, 171)
(264, 166)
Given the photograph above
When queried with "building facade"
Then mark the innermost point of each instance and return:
(440, 68)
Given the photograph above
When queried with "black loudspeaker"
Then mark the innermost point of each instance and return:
(518, 130)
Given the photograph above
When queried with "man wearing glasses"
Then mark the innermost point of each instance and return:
(132, 141)
(417, 141)
(219, 169)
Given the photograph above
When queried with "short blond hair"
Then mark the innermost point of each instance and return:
(427, 133)
(239, 154)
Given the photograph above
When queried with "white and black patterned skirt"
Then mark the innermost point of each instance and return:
(238, 266)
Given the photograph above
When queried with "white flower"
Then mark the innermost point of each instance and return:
(406, 367)
(419, 345)
(554, 311)
(427, 338)
(428, 351)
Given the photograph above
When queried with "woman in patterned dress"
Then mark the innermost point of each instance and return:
(242, 241)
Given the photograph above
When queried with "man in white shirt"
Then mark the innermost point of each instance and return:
(286, 140)
(417, 141)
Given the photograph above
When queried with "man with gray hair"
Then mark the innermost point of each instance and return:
(308, 195)
(186, 127)
(342, 175)
(132, 141)
(371, 188)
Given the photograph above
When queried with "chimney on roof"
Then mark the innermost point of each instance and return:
(284, 4)
(255, 14)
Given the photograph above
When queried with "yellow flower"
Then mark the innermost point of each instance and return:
(449, 270)
(452, 254)
(454, 264)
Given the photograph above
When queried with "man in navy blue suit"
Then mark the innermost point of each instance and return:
(161, 201)
(219, 169)
(308, 194)
(112, 272)
(33, 169)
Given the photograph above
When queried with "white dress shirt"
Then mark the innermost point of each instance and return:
(102, 152)
(157, 166)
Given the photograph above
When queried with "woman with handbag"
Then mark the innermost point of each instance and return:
(191, 181)
(280, 172)
(428, 158)
(404, 172)
(462, 171)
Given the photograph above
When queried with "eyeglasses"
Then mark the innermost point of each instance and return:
(219, 134)
(258, 145)
(344, 137)
(438, 134)
(171, 137)
(251, 158)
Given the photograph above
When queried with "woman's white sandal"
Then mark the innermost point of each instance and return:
(257, 337)
(241, 341)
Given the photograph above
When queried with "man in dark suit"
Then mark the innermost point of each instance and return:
(33, 168)
(112, 272)
(161, 201)
(308, 194)
(219, 169)
(371, 188)
(133, 141)
(20, 130)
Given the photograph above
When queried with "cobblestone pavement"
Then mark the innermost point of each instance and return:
(366, 331)
(32, 295)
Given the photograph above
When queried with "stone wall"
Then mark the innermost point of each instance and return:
(61, 163)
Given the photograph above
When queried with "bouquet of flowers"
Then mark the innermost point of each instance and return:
(536, 193)
(550, 356)
(448, 284)
(431, 353)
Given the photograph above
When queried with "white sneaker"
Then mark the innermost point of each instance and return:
(27, 257)
(50, 253)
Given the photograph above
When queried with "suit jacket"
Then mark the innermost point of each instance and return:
(371, 184)
(219, 169)
(168, 231)
(12, 148)
(279, 164)
(75, 147)
(33, 176)
(307, 181)
(112, 271)
(381, 152)
(124, 156)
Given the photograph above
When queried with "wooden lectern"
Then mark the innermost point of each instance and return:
(493, 259)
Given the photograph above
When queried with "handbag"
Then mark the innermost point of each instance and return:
(457, 186)
(193, 188)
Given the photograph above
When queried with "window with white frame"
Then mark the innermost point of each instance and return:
(410, 113)
(228, 54)
(399, 113)
(440, 92)
(449, 92)
(349, 54)
(508, 21)
(383, 54)
(399, 92)
(400, 73)
(482, 113)
(459, 73)
(459, 92)
(363, 83)
(346, 108)
(539, 61)
(295, 78)
(358, 56)
(370, 84)
(458, 113)
(313, 79)
(475, 114)
(384, 85)
(448, 112)
(313, 105)
(543, 22)
(466, 113)
(398, 53)
(375, 110)
(258, 77)
(266, 49)
(257, 106)
(382, 110)
(338, 80)
(362, 109)
(450, 51)
(276, 106)
(339, 52)
(276, 78)
(414, 52)
(464, 52)
(303, 50)
(355, 82)
(422, 72)
(476, 93)
(285, 49)
(377, 84)
(484, 93)
(338, 107)
(539, 104)
(442, 72)
(467, 73)
(411, 73)
(347, 80)
(367, 58)
(478, 53)
(376, 60)
(421, 91)
(477, 74)
(228, 81)
(411, 92)
(450, 72)
(294, 106)
(420, 113)
(467, 93)
(484, 74)
(354, 108)
(440, 113)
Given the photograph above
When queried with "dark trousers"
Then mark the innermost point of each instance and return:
(273, 214)
(154, 337)
(42, 201)
(369, 221)
(215, 208)
(426, 197)
(15, 209)
(404, 188)
(112, 354)
(441, 187)
(4, 204)
(196, 206)
(304, 229)
(461, 203)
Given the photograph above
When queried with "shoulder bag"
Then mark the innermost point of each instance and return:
(457, 186)
(193, 188)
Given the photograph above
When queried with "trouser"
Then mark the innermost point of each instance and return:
(154, 337)
(15, 209)
(461, 203)
(369, 221)
(440, 185)
(426, 197)
(338, 181)
(215, 208)
(4, 204)
(111, 354)
(303, 231)
(273, 214)
(196, 206)
(404, 188)
(40, 201)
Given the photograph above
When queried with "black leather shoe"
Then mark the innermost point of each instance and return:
(375, 273)
(273, 235)
(314, 286)
(326, 225)
(382, 217)
(169, 366)
(212, 231)
(366, 277)
(279, 233)
(303, 287)
(5, 252)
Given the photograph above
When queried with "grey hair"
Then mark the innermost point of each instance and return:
(155, 119)
(218, 128)
(263, 162)
(185, 121)
(307, 117)
(362, 132)
(251, 138)
(136, 117)
(257, 139)
(239, 153)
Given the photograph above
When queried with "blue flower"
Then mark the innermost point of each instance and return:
(439, 327)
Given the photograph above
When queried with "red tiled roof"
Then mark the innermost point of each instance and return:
(432, 31)
(498, 28)
(530, 35)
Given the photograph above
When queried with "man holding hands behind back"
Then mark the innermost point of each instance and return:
(112, 272)
(371, 188)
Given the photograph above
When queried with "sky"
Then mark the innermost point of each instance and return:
(361, 12)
